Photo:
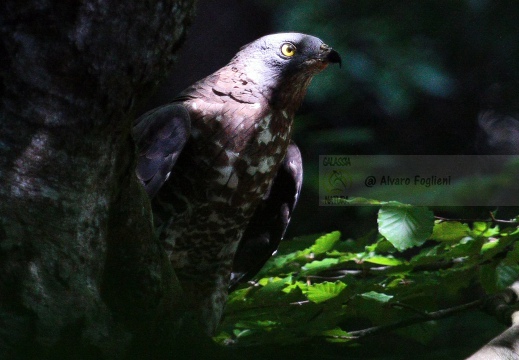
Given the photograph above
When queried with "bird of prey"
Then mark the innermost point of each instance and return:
(220, 167)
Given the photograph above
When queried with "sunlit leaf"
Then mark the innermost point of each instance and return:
(296, 285)
(270, 280)
(449, 231)
(336, 335)
(324, 291)
(383, 260)
(489, 245)
(319, 265)
(405, 226)
(484, 229)
(325, 242)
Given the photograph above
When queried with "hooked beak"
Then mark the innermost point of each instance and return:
(330, 55)
(334, 57)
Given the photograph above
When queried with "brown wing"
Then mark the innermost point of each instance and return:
(160, 136)
(268, 225)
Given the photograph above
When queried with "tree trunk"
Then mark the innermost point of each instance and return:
(81, 274)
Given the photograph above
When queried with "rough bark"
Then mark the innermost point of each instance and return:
(81, 274)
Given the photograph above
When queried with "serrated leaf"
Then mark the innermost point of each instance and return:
(270, 291)
(405, 226)
(380, 297)
(325, 243)
(319, 265)
(449, 231)
(291, 287)
(289, 246)
(318, 293)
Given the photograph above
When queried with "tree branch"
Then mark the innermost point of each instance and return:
(423, 317)
(491, 219)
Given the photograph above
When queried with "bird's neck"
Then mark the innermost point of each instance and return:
(289, 95)
(283, 93)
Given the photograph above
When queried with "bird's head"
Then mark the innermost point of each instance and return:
(286, 53)
(286, 61)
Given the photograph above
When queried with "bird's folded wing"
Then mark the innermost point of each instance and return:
(270, 220)
(160, 136)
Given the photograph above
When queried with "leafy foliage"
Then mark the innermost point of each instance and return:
(316, 287)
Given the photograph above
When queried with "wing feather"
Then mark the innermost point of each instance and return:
(160, 136)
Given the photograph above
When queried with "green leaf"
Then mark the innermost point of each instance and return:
(270, 280)
(319, 265)
(241, 333)
(319, 293)
(490, 245)
(506, 274)
(336, 335)
(382, 260)
(325, 243)
(405, 226)
(380, 297)
(296, 285)
(493, 246)
(484, 229)
(449, 231)
(223, 338)
(495, 278)
(271, 289)
(238, 295)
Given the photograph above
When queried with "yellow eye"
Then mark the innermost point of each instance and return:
(288, 49)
